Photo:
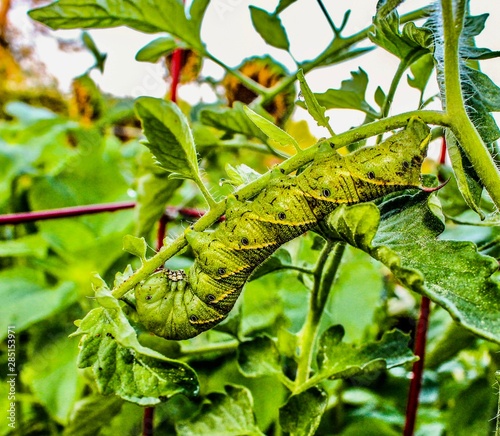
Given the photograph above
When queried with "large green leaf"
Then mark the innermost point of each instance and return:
(169, 136)
(224, 415)
(27, 299)
(54, 378)
(231, 120)
(154, 190)
(121, 365)
(269, 27)
(150, 16)
(451, 273)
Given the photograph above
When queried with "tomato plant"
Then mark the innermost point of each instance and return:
(324, 336)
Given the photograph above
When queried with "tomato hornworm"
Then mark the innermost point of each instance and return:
(179, 305)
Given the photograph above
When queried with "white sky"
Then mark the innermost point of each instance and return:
(229, 35)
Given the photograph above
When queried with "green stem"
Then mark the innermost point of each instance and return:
(403, 65)
(327, 16)
(337, 45)
(208, 197)
(288, 166)
(462, 127)
(249, 83)
(329, 275)
(326, 269)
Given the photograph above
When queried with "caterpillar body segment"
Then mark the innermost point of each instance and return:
(176, 305)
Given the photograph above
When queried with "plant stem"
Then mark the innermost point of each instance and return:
(403, 65)
(337, 45)
(418, 367)
(326, 269)
(252, 85)
(462, 127)
(148, 421)
(327, 16)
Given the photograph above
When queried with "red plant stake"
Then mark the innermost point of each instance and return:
(420, 341)
(418, 367)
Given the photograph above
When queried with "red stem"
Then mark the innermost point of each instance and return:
(40, 215)
(176, 73)
(147, 421)
(442, 153)
(418, 367)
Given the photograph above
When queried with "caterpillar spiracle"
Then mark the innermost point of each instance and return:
(179, 305)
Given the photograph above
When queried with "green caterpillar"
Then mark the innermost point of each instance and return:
(176, 305)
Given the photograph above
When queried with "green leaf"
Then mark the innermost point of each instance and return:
(348, 297)
(54, 378)
(197, 12)
(121, 365)
(135, 246)
(154, 191)
(483, 96)
(27, 299)
(269, 28)
(412, 42)
(367, 426)
(421, 70)
(271, 130)
(451, 273)
(157, 48)
(385, 7)
(337, 359)
(241, 174)
(473, 410)
(169, 136)
(302, 413)
(351, 95)
(282, 5)
(146, 16)
(380, 97)
(231, 120)
(223, 414)
(468, 185)
(91, 413)
(259, 357)
(281, 259)
(313, 107)
(335, 54)
(99, 57)
(31, 245)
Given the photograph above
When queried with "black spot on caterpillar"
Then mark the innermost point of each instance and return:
(176, 305)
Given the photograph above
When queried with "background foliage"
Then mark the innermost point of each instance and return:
(250, 375)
